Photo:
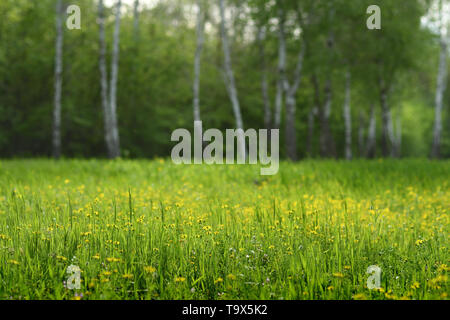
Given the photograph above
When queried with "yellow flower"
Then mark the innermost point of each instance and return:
(149, 269)
(113, 259)
(415, 285)
(127, 276)
(231, 276)
(218, 280)
(180, 279)
(419, 242)
(359, 296)
(443, 267)
(338, 275)
(13, 262)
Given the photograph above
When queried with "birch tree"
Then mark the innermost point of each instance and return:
(113, 85)
(56, 136)
(287, 87)
(197, 59)
(109, 94)
(230, 81)
(441, 86)
(104, 82)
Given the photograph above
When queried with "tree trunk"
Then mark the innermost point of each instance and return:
(197, 60)
(440, 89)
(264, 82)
(281, 69)
(56, 137)
(113, 86)
(230, 81)
(283, 86)
(371, 135)
(347, 117)
(104, 81)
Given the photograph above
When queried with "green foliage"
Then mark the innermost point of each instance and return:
(156, 71)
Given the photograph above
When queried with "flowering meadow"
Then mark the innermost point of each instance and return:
(154, 230)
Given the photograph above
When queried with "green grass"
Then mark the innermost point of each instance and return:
(153, 230)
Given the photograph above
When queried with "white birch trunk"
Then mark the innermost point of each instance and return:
(104, 81)
(56, 134)
(440, 89)
(230, 81)
(113, 84)
(347, 117)
(197, 60)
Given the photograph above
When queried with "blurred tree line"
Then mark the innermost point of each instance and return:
(343, 90)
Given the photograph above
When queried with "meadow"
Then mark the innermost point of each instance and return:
(152, 230)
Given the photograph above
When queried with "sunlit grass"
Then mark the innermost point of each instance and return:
(153, 230)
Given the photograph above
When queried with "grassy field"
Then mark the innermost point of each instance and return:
(153, 230)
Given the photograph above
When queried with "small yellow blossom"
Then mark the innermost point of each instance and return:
(149, 269)
(231, 276)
